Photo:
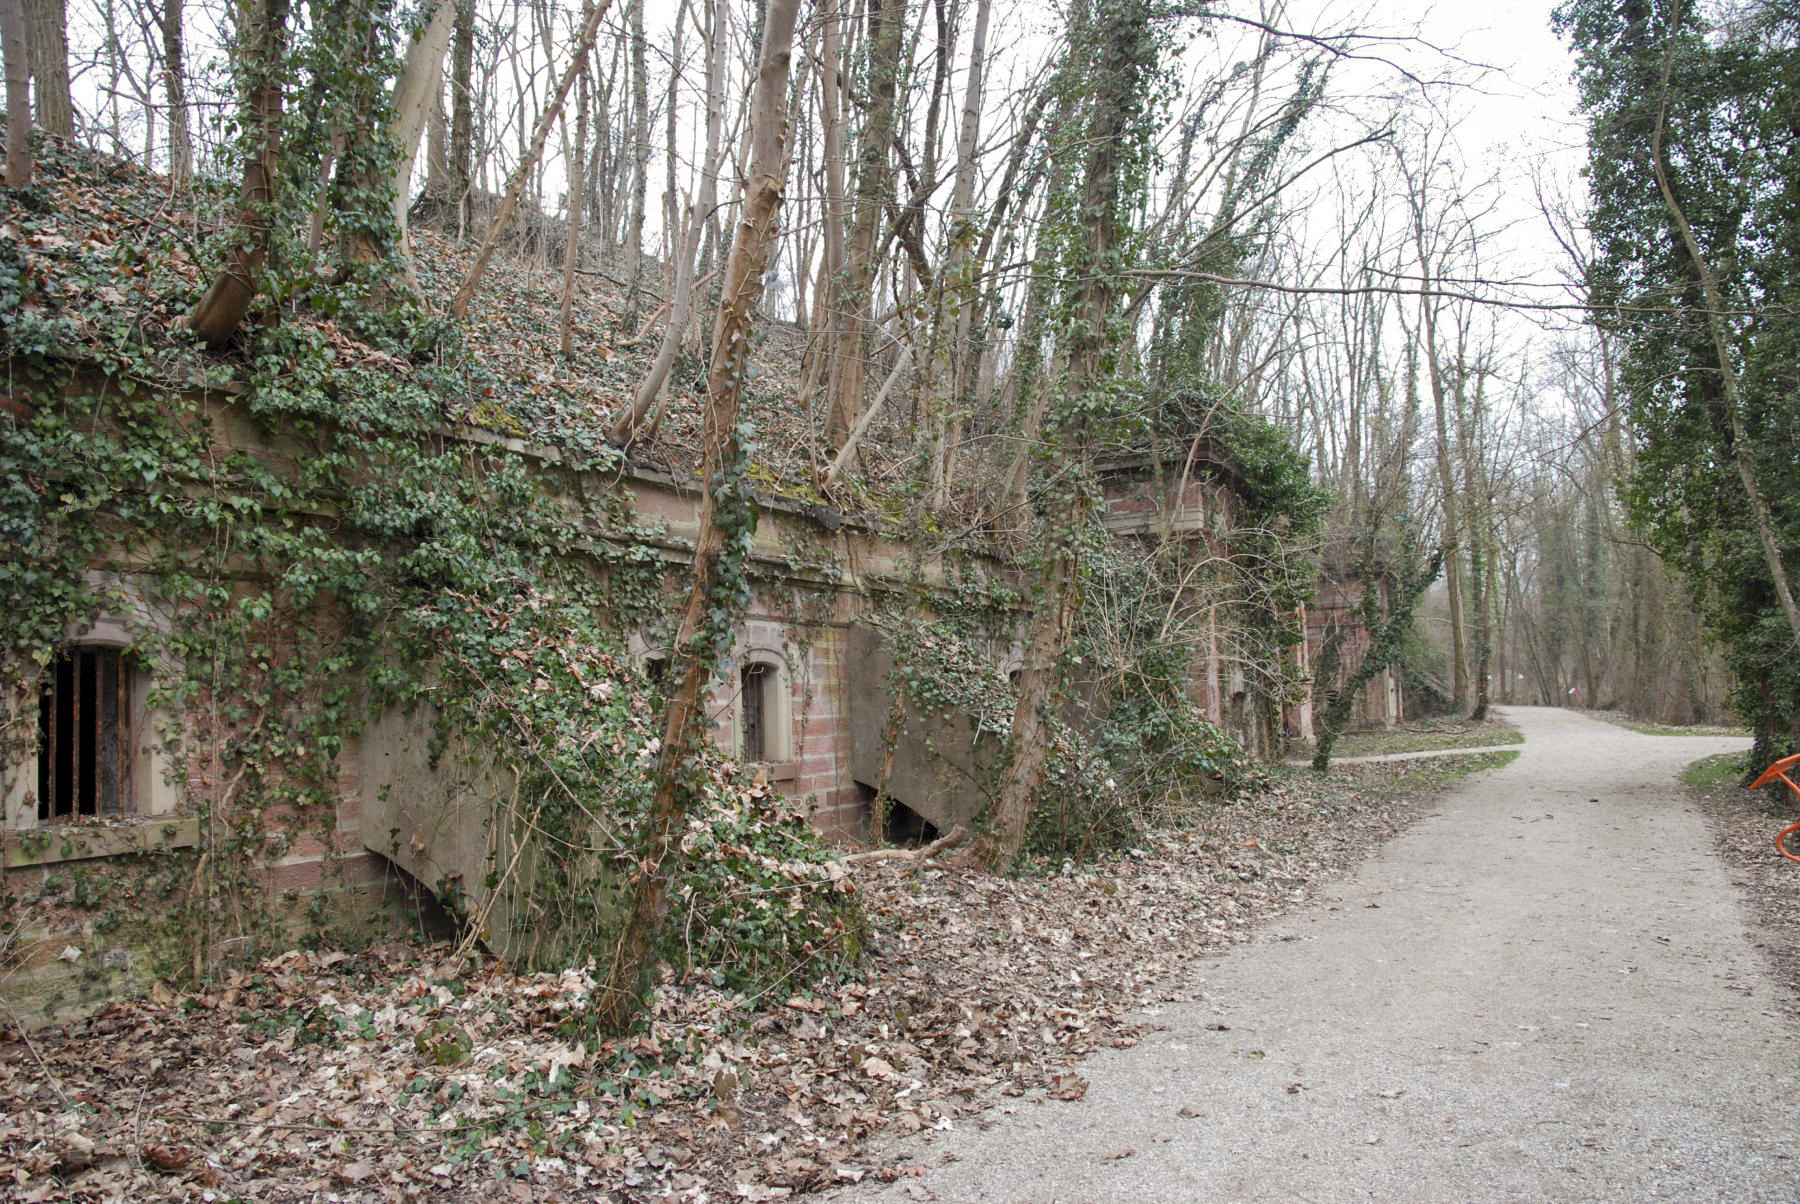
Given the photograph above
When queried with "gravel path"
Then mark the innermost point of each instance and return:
(1542, 991)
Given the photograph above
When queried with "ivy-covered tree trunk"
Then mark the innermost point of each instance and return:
(720, 592)
(181, 140)
(462, 103)
(262, 41)
(1692, 161)
(1114, 149)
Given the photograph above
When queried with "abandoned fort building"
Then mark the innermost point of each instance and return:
(105, 770)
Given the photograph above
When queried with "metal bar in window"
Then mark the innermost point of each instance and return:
(752, 694)
(64, 720)
(110, 764)
(87, 727)
(46, 748)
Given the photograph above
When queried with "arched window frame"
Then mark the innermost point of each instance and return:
(151, 730)
(778, 709)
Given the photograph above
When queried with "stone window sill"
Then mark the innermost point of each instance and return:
(55, 843)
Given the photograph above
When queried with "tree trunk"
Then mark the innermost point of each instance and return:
(727, 514)
(18, 94)
(47, 42)
(956, 283)
(1459, 650)
(816, 359)
(181, 140)
(640, 162)
(1124, 64)
(465, 293)
(462, 102)
(572, 246)
(416, 94)
(263, 43)
(874, 192)
(625, 425)
(437, 155)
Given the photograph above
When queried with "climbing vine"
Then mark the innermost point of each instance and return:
(304, 542)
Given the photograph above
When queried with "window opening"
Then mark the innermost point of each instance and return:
(756, 679)
(84, 735)
(656, 668)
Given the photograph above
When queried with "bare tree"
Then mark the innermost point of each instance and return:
(416, 95)
(717, 556)
(874, 192)
(262, 40)
(573, 209)
(584, 44)
(693, 227)
(181, 140)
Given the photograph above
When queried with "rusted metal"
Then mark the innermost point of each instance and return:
(84, 735)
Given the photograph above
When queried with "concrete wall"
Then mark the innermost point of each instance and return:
(1337, 607)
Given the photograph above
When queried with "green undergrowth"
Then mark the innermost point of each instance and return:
(1718, 770)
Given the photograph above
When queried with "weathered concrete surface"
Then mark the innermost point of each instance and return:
(941, 766)
(1542, 991)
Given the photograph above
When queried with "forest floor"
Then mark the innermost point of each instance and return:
(405, 1073)
(1668, 729)
(1744, 826)
(1425, 735)
(1549, 989)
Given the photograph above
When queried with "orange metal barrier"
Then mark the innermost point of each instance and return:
(1779, 770)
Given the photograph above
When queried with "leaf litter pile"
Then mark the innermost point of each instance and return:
(407, 1073)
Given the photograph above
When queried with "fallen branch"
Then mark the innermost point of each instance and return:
(956, 836)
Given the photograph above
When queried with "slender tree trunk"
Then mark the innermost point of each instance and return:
(726, 513)
(640, 162)
(18, 94)
(1459, 650)
(437, 156)
(874, 192)
(584, 44)
(263, 42)
(572, 247)
(47, 41)
(416, 95)
(462, 102)
(672, 237)
(625, 426)
(956, 284)
(181, 140)
(828, 291)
